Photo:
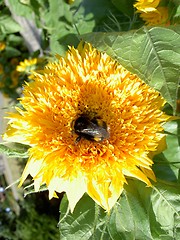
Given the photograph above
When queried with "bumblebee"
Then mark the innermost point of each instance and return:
(91, 129)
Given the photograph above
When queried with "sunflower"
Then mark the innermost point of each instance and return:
(14, 79)
(158, 17)
(27, 65)
(2, 46)
(1, 69)
(146, 5)
(87, 84)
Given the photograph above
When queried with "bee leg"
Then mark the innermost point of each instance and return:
(78, 139)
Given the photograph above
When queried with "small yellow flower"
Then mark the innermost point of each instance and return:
(146, 5)
(14, 61)
(2, 46)
(14, 78)
(178, 106)
(1, 69)
(27, 65)
(71, 1)
(158, 17)
(87, 83)
(1, 85)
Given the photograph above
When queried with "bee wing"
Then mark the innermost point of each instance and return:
(92, 131)
(95, 131)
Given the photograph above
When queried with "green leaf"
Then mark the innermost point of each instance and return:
(165, 204)
(30, 189)
(11, 52)
(167, 164)
(14, 40)
(172, 153)
(164, 170)
(177, 14)
(14, 149)
(129, 219)
(25, 2)
(151, 53)
(174, 11)
(146, 213)
(87, 222)
(8, 25)
(121, 223)
(20, 9)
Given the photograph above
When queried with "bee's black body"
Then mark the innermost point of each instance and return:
(93, 130)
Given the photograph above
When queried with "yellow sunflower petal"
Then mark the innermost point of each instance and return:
(74, 189)
(27, 65)
(159, 16)
(2, 46)
(137, 173)
(146, 5)
(149, 173)
(106, 193)
(32, 168)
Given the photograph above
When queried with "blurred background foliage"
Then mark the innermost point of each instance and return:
(37, 219)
